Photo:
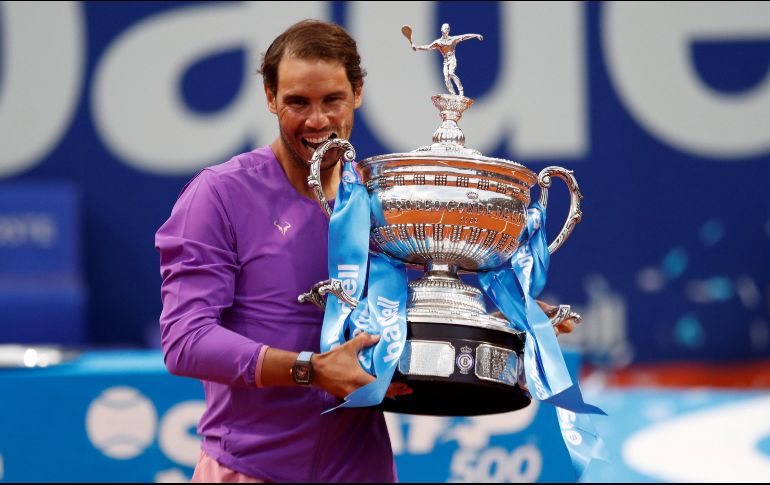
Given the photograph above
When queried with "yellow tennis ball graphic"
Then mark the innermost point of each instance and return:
(121, 422)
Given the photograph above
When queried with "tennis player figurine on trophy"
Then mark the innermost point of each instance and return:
(446, 209)
(446, 46)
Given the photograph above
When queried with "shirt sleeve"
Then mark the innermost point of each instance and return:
(198, 265)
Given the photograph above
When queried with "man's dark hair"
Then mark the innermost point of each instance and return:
(313, 39)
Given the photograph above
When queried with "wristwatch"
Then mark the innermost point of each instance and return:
(302, 370)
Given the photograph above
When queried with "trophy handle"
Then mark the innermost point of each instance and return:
(558, 314)
(316, 294)
(575, 214)
(314, 179)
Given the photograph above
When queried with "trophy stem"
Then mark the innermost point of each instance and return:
(440, 289)
(441, 270)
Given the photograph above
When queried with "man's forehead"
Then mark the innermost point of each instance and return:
(300, 74)
(292, 62)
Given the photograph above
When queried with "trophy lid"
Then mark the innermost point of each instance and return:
(447, 160)
(448, 145)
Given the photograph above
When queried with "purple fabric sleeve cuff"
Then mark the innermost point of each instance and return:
(258, 367)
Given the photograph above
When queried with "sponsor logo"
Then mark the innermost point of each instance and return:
(123, 423)
(391, 333)
(348, 274)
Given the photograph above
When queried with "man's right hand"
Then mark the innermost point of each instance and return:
(339, 373)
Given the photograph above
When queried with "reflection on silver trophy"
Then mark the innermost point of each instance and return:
(446, 208)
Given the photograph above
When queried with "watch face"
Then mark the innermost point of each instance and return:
(302, 374)
(302, 371)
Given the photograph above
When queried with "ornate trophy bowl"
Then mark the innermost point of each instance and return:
(447, 209)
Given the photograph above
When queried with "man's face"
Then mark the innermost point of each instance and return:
(314, 101)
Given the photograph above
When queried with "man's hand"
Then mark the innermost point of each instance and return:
(339, 373)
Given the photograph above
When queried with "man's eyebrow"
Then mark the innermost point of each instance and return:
(335, 93)
(294, 97)
(299, 97)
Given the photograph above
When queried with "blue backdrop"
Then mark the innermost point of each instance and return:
(662, 111)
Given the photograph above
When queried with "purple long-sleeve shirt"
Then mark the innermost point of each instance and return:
(238, 248)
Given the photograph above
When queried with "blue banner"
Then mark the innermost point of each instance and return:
(663, 250)
(121, 414)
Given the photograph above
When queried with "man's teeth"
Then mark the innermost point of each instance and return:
(319, 139)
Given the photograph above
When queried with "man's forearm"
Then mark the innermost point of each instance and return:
(203, 349)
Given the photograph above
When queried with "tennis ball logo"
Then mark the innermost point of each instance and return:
(121, 422)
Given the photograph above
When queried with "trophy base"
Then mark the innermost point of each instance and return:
(459, 370)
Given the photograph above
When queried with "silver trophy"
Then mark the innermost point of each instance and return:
(447, 209)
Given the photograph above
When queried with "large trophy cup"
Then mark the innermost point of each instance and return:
(446, 209)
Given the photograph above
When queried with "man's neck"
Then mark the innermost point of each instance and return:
(298, 173)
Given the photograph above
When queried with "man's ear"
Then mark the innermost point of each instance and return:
(270, 100)
(357, 96)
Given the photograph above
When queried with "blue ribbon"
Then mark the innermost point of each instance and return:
(384, 310)
(514, 290)
(386, 303)
(583, 441)
(348, 255)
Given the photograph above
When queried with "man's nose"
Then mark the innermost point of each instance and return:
(318, 118)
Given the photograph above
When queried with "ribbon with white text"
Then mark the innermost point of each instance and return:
(514, 290)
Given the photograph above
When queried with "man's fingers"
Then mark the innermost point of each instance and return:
(566, 326)
(549, 310)
(364, 340)
(398, 389)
